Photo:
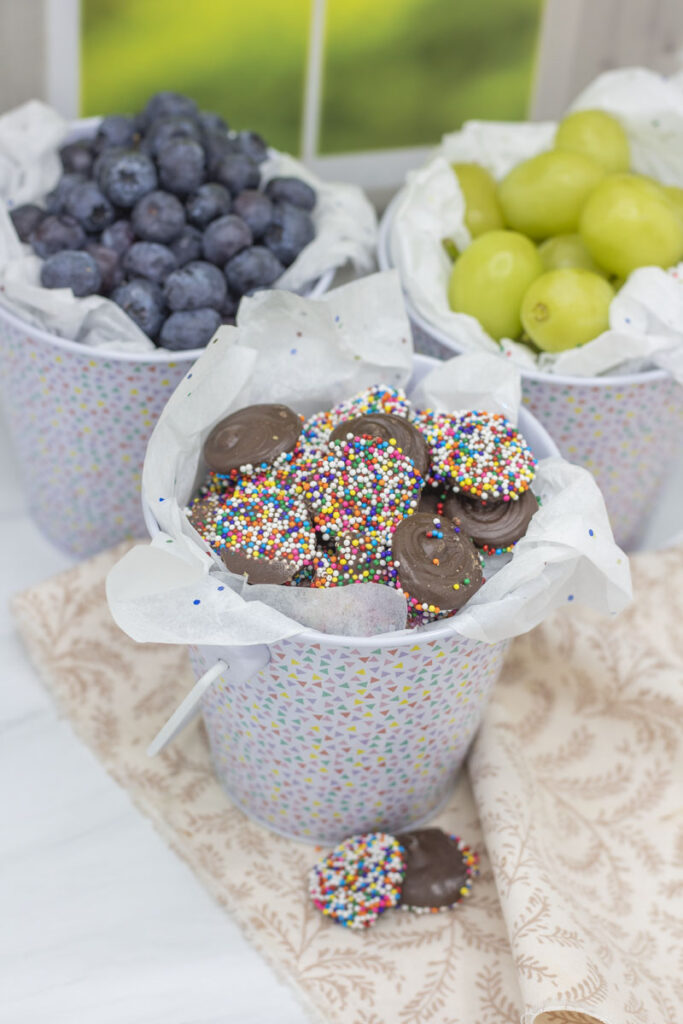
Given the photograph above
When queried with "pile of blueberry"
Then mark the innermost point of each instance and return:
(164, 213)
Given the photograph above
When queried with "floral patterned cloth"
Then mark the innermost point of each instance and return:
(577, 773)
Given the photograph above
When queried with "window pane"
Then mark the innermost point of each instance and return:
(246, 61)
(402, 72)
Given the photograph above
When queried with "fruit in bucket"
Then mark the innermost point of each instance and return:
(566, 251)
(543, 196)
(565, 308)
(168, 196)
(628, 221)
(482, 208)
(597, 135)
(490, 278)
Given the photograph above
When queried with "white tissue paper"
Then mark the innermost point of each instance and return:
(646, 316)
(30, 137)
(312, 354)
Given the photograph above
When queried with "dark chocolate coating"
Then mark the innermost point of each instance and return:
(430, 499)
(386, 426)
(496, 524)
(415, 552)
(435, 868)
(259, 570)
(251, 436)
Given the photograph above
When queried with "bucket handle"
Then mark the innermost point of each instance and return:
(247, 661)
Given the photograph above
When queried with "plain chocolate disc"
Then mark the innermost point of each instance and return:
(252, 436)
(388, 427)
(493, 524)
(435, 869)
(431, 558)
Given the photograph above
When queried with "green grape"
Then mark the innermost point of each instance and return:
(565, 308)
(675, 196)
(543, 196)
(490, 278)
(628, 222)
(597, 135)
(482, 209)
(566, 251)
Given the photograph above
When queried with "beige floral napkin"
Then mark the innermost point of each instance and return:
(576, 771)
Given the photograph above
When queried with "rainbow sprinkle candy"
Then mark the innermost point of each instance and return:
(471, 860)
(359, 879)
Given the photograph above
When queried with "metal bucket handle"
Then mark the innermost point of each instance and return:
(243, 662)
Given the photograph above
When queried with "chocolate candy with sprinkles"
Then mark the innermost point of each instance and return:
(440, 869)
(252, 438)
(485, 457)
(395, 430)
(495, 526)
(359, 880)
(362, 485)
(437, 567)
(262, 531)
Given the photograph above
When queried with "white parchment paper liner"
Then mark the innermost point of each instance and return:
(646, 316)
(311, 354)
(30, 136)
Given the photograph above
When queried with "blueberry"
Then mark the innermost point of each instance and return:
(26, 219)
(182, 166)
(143, 303)
(290, 232)
(208, 202)
(150, 260)
(90, 206)
(119, 236)
(55, 201)
(190, 329)
(127, 177)
(104, 159)
(212, 122)
(252, 269)
(71, 269)
(187, 246)
(224, 238)
(253, 146)
(291, 190)
(56, 233)
(77, 157)
(165, 129)
(194, 286)
(228, 310)
(255, 209)
(115, 130)
(108, 264)
(158, 217)
(237, 172)
(216, 146)
(164, 104)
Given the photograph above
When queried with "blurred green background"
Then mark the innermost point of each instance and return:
(396, 73)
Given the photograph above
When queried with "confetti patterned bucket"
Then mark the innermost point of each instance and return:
(624, 429)
(318, 737)
(80, 419)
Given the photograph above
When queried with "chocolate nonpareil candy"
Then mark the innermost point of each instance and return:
(436, 565)
(439, 869)
(491, 524)
(253, 436)
(394, 429)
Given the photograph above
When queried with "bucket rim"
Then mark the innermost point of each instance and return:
(604, 380)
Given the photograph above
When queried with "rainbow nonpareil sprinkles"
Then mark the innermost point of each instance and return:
(484, 457)
(471, 864)
(359, 879)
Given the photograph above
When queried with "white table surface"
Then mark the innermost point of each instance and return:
(101, 922)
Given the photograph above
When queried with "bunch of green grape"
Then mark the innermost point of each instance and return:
(553, 240)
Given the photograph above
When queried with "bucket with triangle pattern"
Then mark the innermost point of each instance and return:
(339, 735)
(319, 737)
